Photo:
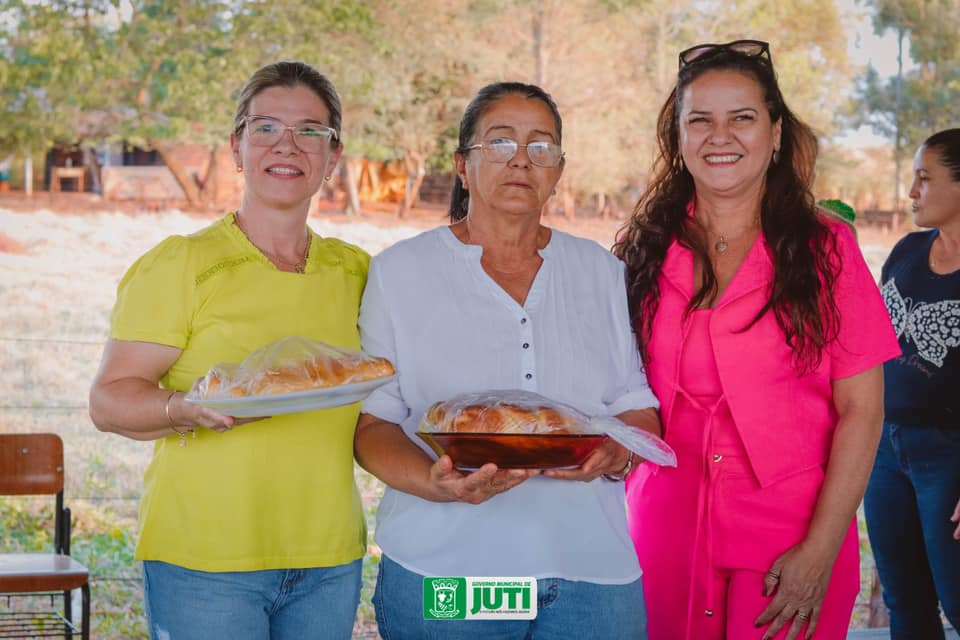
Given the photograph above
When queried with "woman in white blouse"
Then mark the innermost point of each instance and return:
(496, 300)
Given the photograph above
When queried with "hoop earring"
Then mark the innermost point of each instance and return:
(776, 156)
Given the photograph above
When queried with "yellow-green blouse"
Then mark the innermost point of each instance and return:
(273, 494)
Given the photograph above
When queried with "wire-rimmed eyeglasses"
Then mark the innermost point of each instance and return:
(310, 137)
(541, 152)
(749, 48)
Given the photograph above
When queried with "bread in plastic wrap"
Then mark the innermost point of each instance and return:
(515, 411)
(288, 365)
(502, 412)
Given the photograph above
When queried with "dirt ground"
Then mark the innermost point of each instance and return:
(378, 214)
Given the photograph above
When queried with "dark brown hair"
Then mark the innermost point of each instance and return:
(803, 249)
(947, 145)
(478, 107)
(290, 74)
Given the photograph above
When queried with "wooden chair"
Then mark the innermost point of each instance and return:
(32, 464)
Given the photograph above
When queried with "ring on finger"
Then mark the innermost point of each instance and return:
(773, 574)
(803, 616)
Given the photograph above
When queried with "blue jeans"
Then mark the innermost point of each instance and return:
(294, 604)
(913, 491)
(565, 609)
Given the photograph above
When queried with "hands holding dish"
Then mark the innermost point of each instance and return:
(523, 430)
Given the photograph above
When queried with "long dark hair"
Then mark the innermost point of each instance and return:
(947, 145)
(478, 107)
(804, 251)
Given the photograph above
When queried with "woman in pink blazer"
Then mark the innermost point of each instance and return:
(763, 334)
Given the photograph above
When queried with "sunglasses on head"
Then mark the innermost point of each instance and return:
(749, 48)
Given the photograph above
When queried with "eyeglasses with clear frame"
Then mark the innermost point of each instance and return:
(749, 48)
(502, 150)
(310, 137)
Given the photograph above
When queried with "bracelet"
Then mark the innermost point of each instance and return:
(173, 426)
(627, 468)
(166, 409)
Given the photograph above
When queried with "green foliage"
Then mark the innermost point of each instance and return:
(926, 105)
(26, 528)
(162, 72)
(109, 553)
(929, 94)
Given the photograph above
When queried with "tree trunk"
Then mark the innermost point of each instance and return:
(663, 77)
(601, 210)
(416, 171)
(540, 53)
(90, 160)
(190, 189)
(373, 173)
(898, 94)
(568, 204)
(351, 171)
(210, 191)
(28, 173)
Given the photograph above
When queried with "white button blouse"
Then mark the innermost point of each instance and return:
(449, 328)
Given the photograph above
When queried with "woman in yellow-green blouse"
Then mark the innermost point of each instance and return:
(256, 530)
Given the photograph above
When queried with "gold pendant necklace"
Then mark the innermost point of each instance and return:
(722, 244)
(298, 267)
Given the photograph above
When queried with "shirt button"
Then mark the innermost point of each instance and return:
(529, 376)
(523, 321)
(526, 345)
(717, 458)
(708, 613)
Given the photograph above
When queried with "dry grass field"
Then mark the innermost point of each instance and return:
(59, 266)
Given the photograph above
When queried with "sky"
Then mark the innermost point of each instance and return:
(865, 47)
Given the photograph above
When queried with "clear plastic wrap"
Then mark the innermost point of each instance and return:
(523, 412)
(289, 365)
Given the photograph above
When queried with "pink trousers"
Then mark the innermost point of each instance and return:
(706, 535)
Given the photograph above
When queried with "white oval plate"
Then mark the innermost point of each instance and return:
(296, 402)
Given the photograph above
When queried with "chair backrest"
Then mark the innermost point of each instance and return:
(31, 464)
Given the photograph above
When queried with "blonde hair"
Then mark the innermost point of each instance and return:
(289, 74)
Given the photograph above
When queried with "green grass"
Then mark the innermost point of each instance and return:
(104, 538)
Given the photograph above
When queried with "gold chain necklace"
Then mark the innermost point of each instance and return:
(298, 267)
(722, 243)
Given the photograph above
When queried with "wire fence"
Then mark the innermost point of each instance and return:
(47, 380)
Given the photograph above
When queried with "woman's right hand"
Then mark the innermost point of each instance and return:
(126, 399)
(478, 486)
(188, 415)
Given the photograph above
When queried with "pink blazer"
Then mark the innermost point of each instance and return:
(786, 420)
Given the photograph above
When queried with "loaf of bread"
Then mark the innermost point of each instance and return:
(290, 365)
(317, 373)
(502, 412)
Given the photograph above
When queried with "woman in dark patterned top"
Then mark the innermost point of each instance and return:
(912, 508)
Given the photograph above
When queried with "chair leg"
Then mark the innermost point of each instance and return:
(68, 614)
(85, 615)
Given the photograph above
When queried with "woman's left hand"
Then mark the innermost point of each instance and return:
(798, 580)
(609, 457)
